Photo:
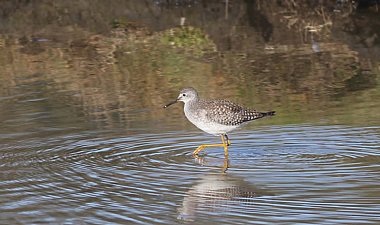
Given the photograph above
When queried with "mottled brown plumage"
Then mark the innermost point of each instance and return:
(227, 113)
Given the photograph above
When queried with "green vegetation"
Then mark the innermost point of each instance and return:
(189, 39)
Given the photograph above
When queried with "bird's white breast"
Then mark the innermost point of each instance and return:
(200, 120)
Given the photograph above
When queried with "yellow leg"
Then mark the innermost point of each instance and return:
(201, 147)
(224, 145)
(225, 164)
(228, 140)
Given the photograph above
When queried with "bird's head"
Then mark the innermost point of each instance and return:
(185, 95)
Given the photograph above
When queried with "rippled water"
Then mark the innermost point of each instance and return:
(296, 173)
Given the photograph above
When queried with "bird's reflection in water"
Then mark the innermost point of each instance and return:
(216, 192)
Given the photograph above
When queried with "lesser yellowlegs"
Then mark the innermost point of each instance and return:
(216, 117)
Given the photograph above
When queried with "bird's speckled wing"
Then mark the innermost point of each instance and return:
(228, 113)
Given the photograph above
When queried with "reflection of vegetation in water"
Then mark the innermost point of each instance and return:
(154, 62)
(152, 65)
(188, 38)
(155, 54)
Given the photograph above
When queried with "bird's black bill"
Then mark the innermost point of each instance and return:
(170, 103)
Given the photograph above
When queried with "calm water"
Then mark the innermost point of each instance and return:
(84, 138)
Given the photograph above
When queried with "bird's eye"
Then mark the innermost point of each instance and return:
(183, 95)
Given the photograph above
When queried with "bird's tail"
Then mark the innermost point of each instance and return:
(270, 113)
(254, 115)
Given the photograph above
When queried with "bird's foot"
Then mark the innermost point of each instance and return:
(225, 164)
(201, 147)
(196, 151)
